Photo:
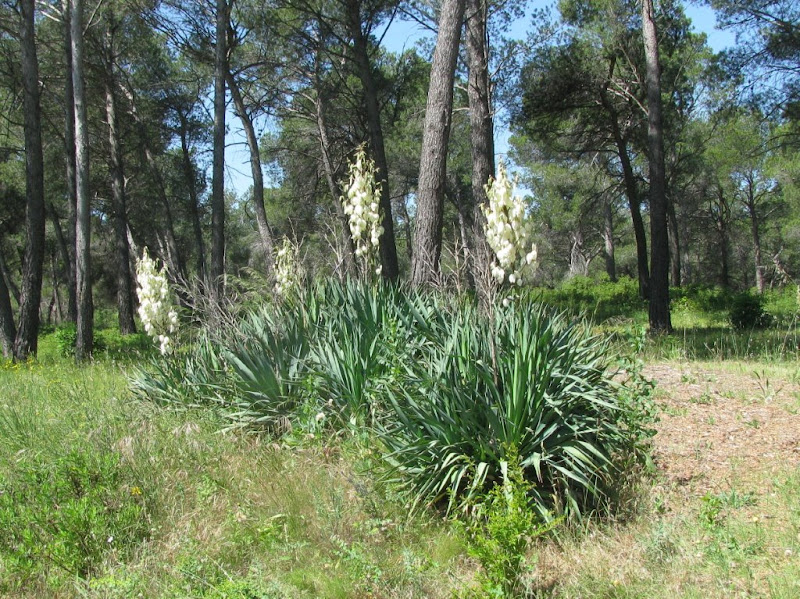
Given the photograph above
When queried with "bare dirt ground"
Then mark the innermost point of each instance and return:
(724, 425)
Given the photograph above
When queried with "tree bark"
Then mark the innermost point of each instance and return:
(578, 263)
(388, 247)
(659, 242)
(608, 241)
(83, 258)
(436, 132)
(8, 280)
(631, 190)
(632, 193)
(723, 235)
(69, 163)
(218, 168)
(194, 208)
(675, 266)
(264, 231)
(755, 232)
(327, 165)
(64, 252)
(127, 325)
(25, 343)
(8, 330)
(481, 128)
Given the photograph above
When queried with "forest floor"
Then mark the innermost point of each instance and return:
(722, 426)
(718, 516)
(723, 513)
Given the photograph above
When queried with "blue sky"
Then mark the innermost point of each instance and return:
(404, 34)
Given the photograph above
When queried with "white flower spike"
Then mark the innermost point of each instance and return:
(159, 318)
(508, 231)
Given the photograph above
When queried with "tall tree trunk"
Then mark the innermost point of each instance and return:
(435, 136)
(8, 279)
(64, 252)
(631, 189)
(264, 232)
(8, 330)
(608, 241)
(481, 127)
(127, 325)
(675, 266)
(724, 240)
(755, 232)
(173, 257)
(83, 258)
(218, 168)
(388, 247)
(327, 165)
(25, 343)
(632, 193)
(69, 163)
(194, 207)
(578, 263)
(659, 242)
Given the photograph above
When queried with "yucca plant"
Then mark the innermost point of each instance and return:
(199, 378)
(269, 361)
(519, 378)
(356, 348)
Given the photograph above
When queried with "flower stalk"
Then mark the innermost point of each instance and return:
(156, 310)
(508, 231)
(361, 203)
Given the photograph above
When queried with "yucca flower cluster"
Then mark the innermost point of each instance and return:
(288, 272)
(362, 205)
(508, 231)
(159, 318)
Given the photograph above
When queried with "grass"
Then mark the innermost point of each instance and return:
(226, 515)
(198, 513)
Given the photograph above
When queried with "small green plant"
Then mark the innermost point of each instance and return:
(747, 312)
(765, 387)
(502, 529)
(69, 513)
(66, 336)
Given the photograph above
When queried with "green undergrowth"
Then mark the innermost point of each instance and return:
(102, 495)
(198, 513)
(294, 456)
(445, 388)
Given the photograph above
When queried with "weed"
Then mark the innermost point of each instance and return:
(69, 513)
(501, 530)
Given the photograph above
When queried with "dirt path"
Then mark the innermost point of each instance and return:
(724, 425)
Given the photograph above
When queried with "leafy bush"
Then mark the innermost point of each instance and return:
(783, 304)
(700, 298)
(520, 378)
(747, 312)
(69, 513)
(501, 530)
(66, 337)
(601, 298)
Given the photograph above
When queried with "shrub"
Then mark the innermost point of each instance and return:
(446, 387)
(747, 312)
(69, 513)
(602, 299)
(66, 336)
(502, 528)
(520, 378)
